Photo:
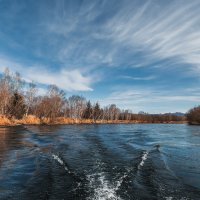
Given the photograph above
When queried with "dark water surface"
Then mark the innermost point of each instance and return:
(96, 162)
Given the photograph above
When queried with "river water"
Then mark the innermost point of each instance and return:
(100, 162)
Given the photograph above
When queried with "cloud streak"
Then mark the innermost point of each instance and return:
(152, 99)
(172, 33)
(99, 45)
(147, 78)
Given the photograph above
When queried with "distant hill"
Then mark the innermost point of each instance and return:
(179, 114)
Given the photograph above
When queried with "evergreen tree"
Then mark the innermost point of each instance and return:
(88, 111)
(17, 106)
(96, 112)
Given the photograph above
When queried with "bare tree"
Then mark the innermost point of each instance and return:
(77, 106)
(13, 103)
(17, 83)
(56, 98)
(113, 112)
(30, 96)
(193, 115)
(5, 91)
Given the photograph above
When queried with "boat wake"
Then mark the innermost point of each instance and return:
(144, 157)
(98, 183)
(61, 162)
(102, 188)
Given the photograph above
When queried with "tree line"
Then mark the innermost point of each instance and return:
(19, 99)
(193, 115)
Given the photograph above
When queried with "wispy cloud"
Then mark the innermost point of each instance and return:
(84, 45)
(98, 33)
(155, 30)
(172, 33)
(103, 33)
(146, 78)
(152, 99)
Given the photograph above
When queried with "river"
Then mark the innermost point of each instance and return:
(100, 162)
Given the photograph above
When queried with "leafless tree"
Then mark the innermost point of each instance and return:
(77, 106)
(30, 96)
(5, 91)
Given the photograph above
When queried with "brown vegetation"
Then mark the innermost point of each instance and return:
(193, 115)
(33, 120)
(19, 106)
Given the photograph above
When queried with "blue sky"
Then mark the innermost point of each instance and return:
(142, 55)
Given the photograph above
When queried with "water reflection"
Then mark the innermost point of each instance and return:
(194, 130)
(9, 139)
(43, 129)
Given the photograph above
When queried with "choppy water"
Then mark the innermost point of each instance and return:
(100, 162)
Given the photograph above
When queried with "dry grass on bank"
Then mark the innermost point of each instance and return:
(30, 119)
(5, 121)
(33, 120)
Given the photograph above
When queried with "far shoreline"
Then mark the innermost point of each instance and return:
(89, 123)
(33, 120)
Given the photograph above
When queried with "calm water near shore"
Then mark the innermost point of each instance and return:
(100, 162)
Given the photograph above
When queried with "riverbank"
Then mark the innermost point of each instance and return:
(33, 120)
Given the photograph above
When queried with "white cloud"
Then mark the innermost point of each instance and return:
(67, 80)
(70, 80)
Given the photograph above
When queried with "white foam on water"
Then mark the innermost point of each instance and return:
(171, 198)
(168, 198)
(119, 182)
(60, 161)
(103, 189)
(144, 157)
(55, 157)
